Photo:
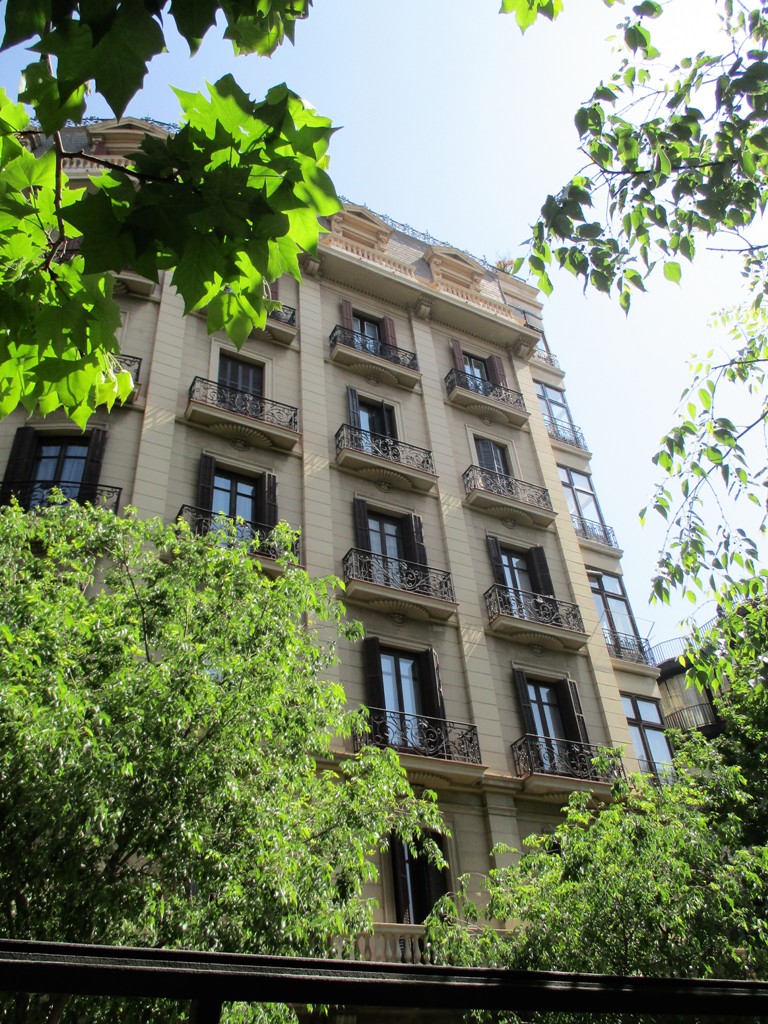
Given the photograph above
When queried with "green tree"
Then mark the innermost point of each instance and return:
(659, 882)
(166, 732)
(226, 204)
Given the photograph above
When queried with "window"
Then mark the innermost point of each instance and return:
(389, 536)
(370, 416)
(418, 883)
(556, 740)
(477, 373)
(553, 403)
(405, 698)
(40, 462)
(646, 726)
(221, 492)
(365, 327)
(491, 456)
(612, 605)
(579, 494)
(241, 375)
(525, 573)
(369, 333)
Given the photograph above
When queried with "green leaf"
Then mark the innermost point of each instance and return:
(672, 271)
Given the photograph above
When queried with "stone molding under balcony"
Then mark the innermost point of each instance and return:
(34, 493)
(543, 762)
(565, 433)
(385, 460)
(491, 402)
(534, 619)
(506, 497)
(374, 359)
(628, 647)
(242, 416)
(422, 735)
(397, 587)
(594, 532)
(280, 325)
(202, 520)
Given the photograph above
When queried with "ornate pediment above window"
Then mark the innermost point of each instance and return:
(359, 226)
(452, 268)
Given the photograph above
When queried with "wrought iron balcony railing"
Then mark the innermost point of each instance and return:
(384, 447)
(565, 432)
(130, 364)
(546, 357)
(521, 604)
(544, 755)
(285, 315)
(420, 734)
(508, 486)
(243, 403)
(352, 339)
(397, 573)
(693, 716)
(591, 530)
(33, 493)
(628, 647)
(204, 521)
(486, 388)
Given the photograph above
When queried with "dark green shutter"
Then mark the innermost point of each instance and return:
(494, 552)
(413, 540)
(524, 700)
(362, 533)
(574, 723)
(205, 474)
(267, 498)
(400, 882)
(431, 686)
(21, 464)
(539, 572)
(353, 407)
(374, 685)
(92, 469)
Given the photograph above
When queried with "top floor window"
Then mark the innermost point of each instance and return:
(553, 403)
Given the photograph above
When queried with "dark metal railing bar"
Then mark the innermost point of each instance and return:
(373, 346)
(398, 573)
(486, 388)
(421, 734)
(478, 478)
(384, 447)
(244, 403)
(547, 755)
(539, 608)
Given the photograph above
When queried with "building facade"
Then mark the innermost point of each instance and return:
(405, 412)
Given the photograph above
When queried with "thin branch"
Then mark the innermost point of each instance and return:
(139, 175)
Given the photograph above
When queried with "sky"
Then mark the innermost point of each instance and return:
(454, 123)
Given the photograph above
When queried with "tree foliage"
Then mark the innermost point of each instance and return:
(664, 881)
(226, 204)
(166, 732)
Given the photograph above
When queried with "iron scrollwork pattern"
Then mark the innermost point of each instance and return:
(486, 388)
(591, 530)
(627, 647)
(397, 573)
(259, 534)
(361, 343)
(130, 364)
(286, 315)
(546, 357)
(244, 403)
(34, 493)
(420, 734)
(521, 604)
(477, 478)
(546, 755)
(384, 447)
(565, 432)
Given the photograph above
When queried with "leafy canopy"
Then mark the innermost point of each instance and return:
(225, 205)
(166, 737)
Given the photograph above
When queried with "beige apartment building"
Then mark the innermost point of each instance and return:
(405, 412)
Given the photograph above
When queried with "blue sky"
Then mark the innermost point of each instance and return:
(452, 122)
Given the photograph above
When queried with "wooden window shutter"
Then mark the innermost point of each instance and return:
(362, 533)
(521, 685)
(436, 881)
(274, 290)
(205, 473)
(432, 689)
(400, 882)
(388, 330)
(266, 497)
(389, 421)
(574, 723)
(413, 540)
(92, 469)
(458, 355)
(21, 463)
(496, 371)
(374, 685)
(494, 552)
(346, 314)
(353, 407)
(539, 572)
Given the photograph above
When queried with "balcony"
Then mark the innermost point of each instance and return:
(132, 365)
(595, 533)
(507, 497)
(542, 356)
(374, 359)
(566, 433)
(256, 534)
(491, 402)
(385, 460)
(693, 716)
(537, 756)
(628, 647)
(388, 944)
(243, 416)
(419, 734)
(280, 325)
(399, 587)
(33, 493)
(534, 619)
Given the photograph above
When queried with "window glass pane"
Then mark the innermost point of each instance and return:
(658, 746)
(621, 619)
(629, 709)
(637, 742)
(612, 584)
(648, 710)
(409, 682)
(389, 680)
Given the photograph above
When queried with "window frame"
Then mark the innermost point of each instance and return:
(571, 488)
(606, 616)
(643, 725)
(546, 403)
